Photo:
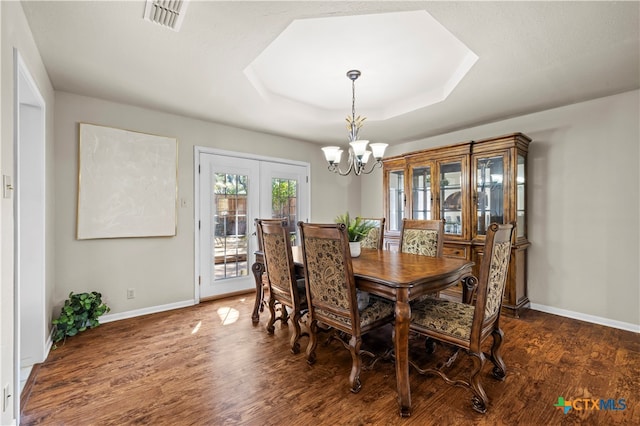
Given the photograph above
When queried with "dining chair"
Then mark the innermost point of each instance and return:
(282, 284)
(375, 237)
(264, 287)
(467, 326)
(425, 237)
(331, 292)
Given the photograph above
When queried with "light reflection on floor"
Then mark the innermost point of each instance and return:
(228, 315)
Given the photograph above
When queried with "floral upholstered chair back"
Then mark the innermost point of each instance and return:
(494, 270)
(329, 273)
(278, 261)
(375, 237)
(260, 222)
(424, 237)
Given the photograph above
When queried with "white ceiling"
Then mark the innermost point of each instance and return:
(430, 60)
(531, 56)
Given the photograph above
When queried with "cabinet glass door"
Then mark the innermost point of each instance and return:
(451, 197)
(521, 224)
(421, 197)
(396, 199)
(490, 192)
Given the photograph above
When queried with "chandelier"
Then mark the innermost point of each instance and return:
(359, 156)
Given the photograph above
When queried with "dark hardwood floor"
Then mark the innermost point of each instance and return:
(208, 365)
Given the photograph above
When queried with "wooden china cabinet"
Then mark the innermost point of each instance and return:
(469, 185)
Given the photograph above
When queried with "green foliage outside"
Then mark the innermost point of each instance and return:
(229, 184)
(282, 191)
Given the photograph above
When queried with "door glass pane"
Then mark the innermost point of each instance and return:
(521, 199)
(421, 193)
(451, 196)
(490, 192)
(396, 200)
(284, 197)
(230, 221)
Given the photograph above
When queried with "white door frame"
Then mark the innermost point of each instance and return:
(197, 150)
(31, 342)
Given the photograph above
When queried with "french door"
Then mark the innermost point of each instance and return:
(232, 192)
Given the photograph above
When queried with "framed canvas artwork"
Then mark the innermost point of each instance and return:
(127, 184)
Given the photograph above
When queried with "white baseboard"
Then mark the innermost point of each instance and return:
(145, 311)
(49, 343)
(588, 318)
(24, 375)
(543, 308)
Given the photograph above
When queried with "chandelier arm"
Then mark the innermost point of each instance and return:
(375, 164)
(336, 167)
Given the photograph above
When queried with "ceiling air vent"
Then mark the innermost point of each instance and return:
(168, 13)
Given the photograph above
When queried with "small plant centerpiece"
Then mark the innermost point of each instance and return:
(357, 229)
(79, 312)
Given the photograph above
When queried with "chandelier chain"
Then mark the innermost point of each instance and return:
(353, 99)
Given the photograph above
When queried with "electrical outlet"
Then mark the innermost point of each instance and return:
(131, 293)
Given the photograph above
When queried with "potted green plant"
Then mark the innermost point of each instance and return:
(357, 229)
(79, 312)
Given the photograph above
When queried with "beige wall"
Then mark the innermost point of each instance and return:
(584, 215)
(16, 33)
(161, 269)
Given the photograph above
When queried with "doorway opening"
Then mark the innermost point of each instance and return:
(31, 325)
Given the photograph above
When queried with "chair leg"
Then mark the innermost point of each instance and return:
(313, 342)
(295, 344)
(499, 369)
(284, 314)
(356, 364)
(479, 400)
(272, 317)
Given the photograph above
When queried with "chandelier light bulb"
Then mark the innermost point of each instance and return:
(377, 149)
(359, 147)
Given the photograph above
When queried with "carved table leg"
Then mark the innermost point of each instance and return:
(401, 343)
(258, 269)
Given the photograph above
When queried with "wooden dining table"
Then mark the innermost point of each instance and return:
(400, 277)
